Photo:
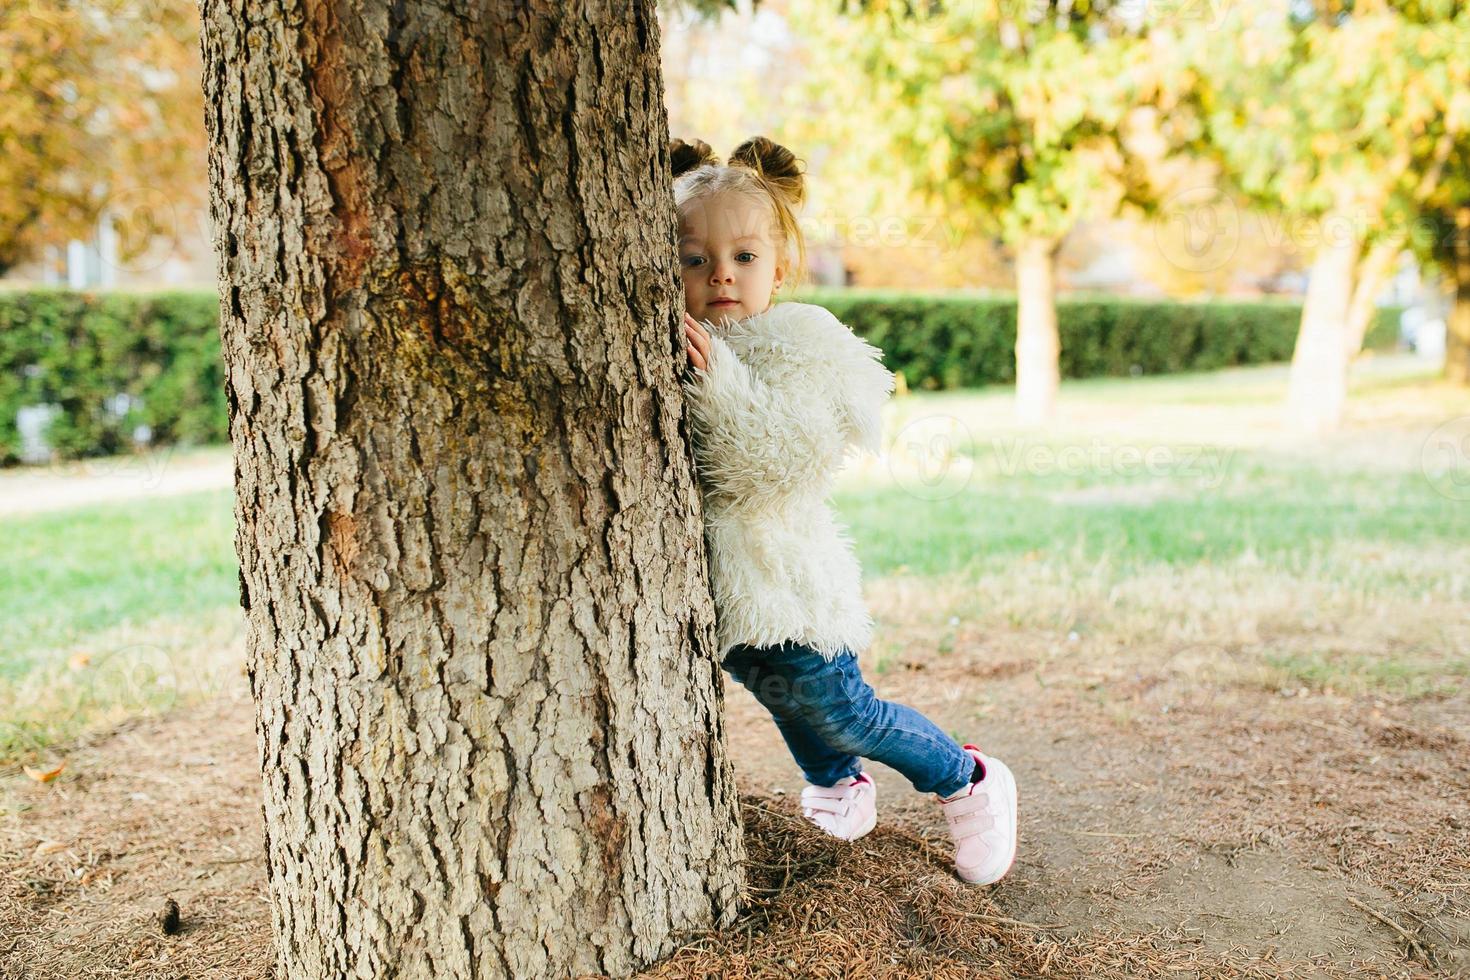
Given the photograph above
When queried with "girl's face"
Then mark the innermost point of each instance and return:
(727, 257)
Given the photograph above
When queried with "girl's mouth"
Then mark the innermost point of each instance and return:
(725, 302)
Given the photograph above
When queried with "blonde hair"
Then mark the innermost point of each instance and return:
(760, 169)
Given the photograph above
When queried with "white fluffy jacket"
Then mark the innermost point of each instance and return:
(786, 394)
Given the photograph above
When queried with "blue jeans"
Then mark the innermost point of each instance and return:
(831, 719)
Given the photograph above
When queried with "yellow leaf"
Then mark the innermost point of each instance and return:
(48, 847)
(44, 776)
(79, 660)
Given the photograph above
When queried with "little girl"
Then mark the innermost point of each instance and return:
(777, 396)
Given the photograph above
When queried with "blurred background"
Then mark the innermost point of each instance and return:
(1174, 148)
(1181, 194)
(1208, 536)
(1217, 179)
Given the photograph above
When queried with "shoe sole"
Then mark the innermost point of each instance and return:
(1009, 782)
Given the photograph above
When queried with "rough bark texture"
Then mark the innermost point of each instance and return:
(1038, 347)
(481, 641)
(1457, 334)
(1318, 387)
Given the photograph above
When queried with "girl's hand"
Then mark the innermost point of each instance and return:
(699, 344)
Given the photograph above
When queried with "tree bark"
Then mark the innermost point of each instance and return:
(1038, 347)
(1318, 386)
(1457, 332)
(489, 716)
(1372, 274)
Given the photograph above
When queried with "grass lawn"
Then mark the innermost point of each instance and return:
(1156, 515)
(1169, 514)
(113, 610)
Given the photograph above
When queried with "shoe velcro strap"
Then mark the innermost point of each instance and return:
(831, 805)
(977, 803)
(971, 826)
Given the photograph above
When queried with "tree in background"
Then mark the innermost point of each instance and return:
(731, 72)
(1443, 239)
(99, 114)
(725, 69)
(1013, 117)
(1340, 126)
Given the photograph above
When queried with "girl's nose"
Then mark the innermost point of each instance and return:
(720, 274)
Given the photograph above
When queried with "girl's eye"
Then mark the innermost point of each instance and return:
(693, 260)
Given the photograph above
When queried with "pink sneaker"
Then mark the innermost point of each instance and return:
(847, 811)
(982, 822)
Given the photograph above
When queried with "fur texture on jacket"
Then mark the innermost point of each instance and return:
(787, 393)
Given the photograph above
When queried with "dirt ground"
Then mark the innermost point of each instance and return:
(1238, 834)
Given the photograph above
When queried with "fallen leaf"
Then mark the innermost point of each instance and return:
(79, 660)
(45, 775)
(48, 847)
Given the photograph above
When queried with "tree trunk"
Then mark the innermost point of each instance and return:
(1457, 333)
(489, 717)
(1318, 388)
(1038, 349)
(1372, 275)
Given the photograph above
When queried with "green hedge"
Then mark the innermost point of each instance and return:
(78, 350)
(963, 341)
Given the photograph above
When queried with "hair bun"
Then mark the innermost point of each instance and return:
(684, 157)
(775, 163)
